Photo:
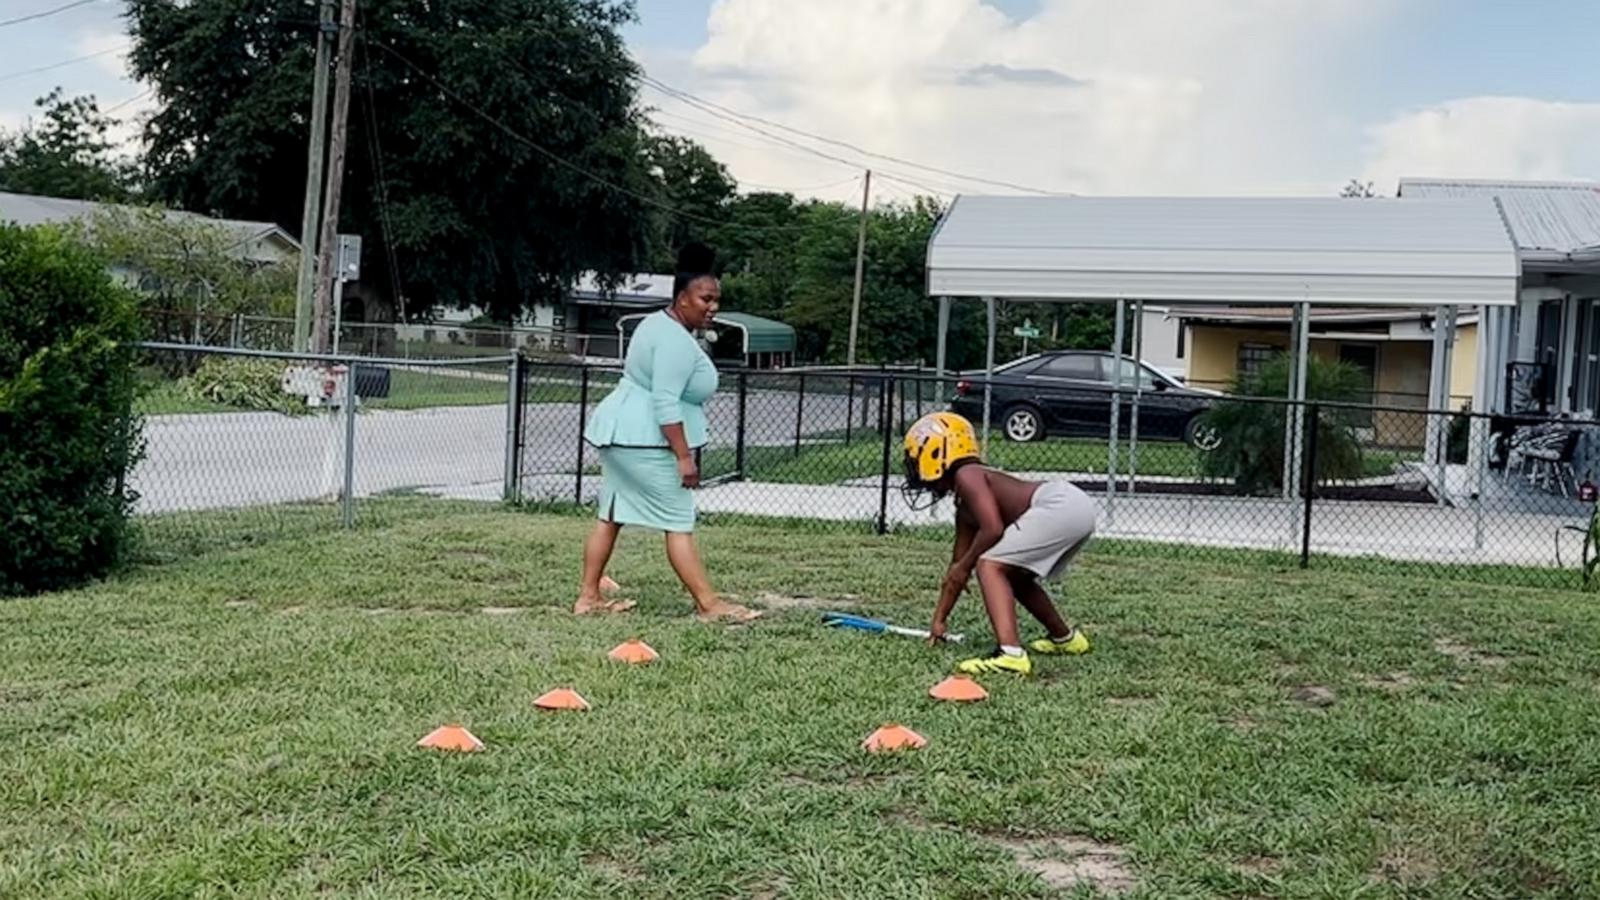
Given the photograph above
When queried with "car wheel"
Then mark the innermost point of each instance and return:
(1201, 435)
(1023, 424)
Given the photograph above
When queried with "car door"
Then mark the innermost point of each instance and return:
(1159, 416)
(1070, 390)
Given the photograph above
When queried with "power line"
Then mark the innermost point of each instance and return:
(713, 107)
(562, 161)
(134, 99)
(49, 12)
(66, 62)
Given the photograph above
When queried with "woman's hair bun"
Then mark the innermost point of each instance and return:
(695, 258)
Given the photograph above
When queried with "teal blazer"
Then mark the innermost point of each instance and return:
(666, 378)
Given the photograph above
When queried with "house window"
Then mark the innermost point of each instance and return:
(1252, 357)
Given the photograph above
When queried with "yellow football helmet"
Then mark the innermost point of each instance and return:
(937, 441)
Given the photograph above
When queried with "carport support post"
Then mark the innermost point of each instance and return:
(1299, 363)
(944, 334)
(988, 375)
(1482, 408)
(1438, 390)
(1116, 412)
(1138, 391)
(350, 444)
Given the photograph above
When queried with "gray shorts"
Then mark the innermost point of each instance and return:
(1046, 538)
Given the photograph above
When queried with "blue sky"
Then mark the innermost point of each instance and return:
(1151, 96)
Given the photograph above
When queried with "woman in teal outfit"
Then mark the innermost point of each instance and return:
(647, 431)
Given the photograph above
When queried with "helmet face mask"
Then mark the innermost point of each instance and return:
(934, 447)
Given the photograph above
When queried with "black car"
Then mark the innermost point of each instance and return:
(1068, 392)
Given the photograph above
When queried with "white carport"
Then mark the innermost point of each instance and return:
(1445, 253)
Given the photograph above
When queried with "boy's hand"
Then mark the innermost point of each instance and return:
(937, 632)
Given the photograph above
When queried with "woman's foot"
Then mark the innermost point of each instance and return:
(608, 586)
(723, 611)
(595, 605)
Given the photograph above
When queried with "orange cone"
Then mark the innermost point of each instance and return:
(561, 698)
(893, 737)
(958, 689)
(634, 651)
(451, 737)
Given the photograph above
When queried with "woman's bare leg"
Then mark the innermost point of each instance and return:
(596, 553)
(685, 559)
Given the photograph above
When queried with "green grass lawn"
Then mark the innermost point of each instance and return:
(863, 457)
(408, 389)
(241, 722)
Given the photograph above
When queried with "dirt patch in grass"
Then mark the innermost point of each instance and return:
(1465, 653)
(774, 601)
(1242, 723)
(1261, 866)
(1390, 682)
(1073, 860)
(503, 610)
(1314, 695)
(239, 603)
(1405, 866)
(613, 869)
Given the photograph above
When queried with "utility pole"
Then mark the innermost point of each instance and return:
(861, 253)
(329, 242)
(309, 220)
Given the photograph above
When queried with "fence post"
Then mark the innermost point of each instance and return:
(738, 450)
(1308, 480)
(883, 484)
(350, 443)
(849, 408)
(583, 424)
(513, 473)
(799, 413)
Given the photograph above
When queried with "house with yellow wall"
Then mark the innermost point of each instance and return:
(1394, 347)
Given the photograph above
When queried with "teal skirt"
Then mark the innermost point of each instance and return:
(641, 486)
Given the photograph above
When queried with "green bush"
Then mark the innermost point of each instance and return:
(1251, 448)
(68, 436)
(243, 383)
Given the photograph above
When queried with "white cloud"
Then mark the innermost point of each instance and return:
(1488, 137)
(100, 41)
(1139, 96)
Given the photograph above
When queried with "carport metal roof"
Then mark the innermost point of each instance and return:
(1454, 251)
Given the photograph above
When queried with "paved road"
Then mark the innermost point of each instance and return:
(221, 460)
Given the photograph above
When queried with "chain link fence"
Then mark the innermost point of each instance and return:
(239, 444)
(1309, 484)
(244, 444)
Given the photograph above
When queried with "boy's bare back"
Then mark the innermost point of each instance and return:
(1011, 494)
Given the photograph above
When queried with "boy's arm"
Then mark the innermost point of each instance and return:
(988, 527)
(965, 531)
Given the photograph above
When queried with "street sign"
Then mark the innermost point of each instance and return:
(1026, 330)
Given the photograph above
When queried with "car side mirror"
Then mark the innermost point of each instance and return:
(1162, 385)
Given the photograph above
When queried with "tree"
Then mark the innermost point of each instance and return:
(1250, 432)
(66, 154)
(480, 133)
(183, 264)
(694, 189)
(1358, 190)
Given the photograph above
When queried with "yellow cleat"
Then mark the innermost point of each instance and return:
(998, 663)
(1077, 643)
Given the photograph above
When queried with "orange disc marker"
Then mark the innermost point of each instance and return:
(451, 737)
(634, 651)
(958, 689)
(561, 698)
(893, 737)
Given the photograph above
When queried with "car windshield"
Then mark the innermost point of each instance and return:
(1131, 372)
